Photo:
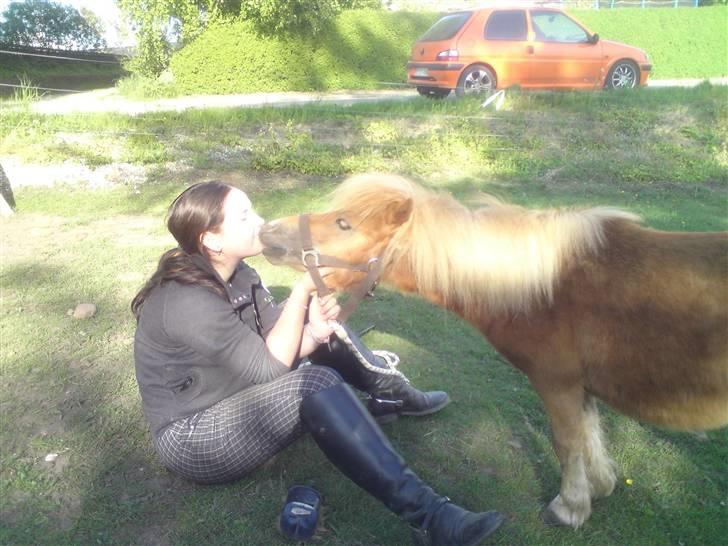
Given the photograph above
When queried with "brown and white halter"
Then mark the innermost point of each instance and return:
(312, 259)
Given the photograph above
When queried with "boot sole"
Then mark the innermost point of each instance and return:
(422, 538)
(387, 418)
(492, 529)
(429, 411)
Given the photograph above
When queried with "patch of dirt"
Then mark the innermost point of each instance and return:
(23, 174)
(12, 505)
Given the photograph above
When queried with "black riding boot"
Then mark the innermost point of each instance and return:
(390, 393)
(352, 441)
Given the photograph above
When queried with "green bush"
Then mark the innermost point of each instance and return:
(357, 50)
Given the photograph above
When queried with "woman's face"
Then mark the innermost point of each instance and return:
(238, 233)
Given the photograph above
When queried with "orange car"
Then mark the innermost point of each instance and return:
(493, 48)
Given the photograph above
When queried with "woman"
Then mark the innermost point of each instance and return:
(217, 367)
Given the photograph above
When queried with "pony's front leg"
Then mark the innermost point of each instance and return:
(599, 467)
(565, 407)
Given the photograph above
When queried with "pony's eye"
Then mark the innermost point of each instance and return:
(343, 224)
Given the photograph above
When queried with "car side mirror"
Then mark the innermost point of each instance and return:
(593, 39)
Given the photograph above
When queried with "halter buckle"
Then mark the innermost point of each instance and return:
(306, 252)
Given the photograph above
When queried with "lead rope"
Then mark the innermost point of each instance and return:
(373, 269)
(389, 358)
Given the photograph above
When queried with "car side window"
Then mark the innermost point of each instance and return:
(549, 26)
(506, 25)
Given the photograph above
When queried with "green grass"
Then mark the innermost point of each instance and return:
(68, 386)
(670, 37)
(644, 139)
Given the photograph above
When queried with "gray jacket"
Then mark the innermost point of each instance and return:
(193, 348)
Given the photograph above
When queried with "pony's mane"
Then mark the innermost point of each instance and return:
(504, 255)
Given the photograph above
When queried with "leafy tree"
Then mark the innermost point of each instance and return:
(153, 21)
(93, 20)
(296, 16)
(43, 23)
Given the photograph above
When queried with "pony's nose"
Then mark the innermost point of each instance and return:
(269, 228)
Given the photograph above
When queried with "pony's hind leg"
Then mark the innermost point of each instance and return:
(565, 407)
(599, 467)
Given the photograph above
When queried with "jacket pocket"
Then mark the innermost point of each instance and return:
(186, 387)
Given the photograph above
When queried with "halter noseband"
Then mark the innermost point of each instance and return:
(312, 259)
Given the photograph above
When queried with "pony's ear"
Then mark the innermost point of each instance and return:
(398, 211)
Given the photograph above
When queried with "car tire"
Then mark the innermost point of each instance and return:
(623, 75)
(475, 80)
(433, 92)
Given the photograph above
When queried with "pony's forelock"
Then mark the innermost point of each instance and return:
(365, 193)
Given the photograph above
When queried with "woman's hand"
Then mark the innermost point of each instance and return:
(322, 314)
(290, 338)
(322, 310)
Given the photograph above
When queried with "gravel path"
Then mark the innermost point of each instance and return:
(108, 100)
(70, 172)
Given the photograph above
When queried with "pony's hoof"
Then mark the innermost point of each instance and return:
(549, 517)
(557, 513)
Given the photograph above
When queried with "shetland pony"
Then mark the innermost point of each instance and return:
(587, 303)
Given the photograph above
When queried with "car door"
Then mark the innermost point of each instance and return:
(500, 41)
(562, 53)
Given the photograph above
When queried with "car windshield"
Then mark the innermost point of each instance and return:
(446, 27)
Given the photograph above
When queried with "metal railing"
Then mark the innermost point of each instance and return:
(603, 4)
(611, 4)
(66, 54)
(455, 5)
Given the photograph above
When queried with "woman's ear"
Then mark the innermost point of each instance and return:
(211, 242)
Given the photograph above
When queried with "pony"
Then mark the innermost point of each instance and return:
(589, 304)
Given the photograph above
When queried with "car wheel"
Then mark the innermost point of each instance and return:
(623, 75)
(433, 92)
(476, 80)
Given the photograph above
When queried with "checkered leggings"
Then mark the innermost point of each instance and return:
(228, 440)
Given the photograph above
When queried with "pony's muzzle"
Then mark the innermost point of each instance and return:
(280, 246)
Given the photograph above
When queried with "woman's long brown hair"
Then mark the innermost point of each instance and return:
(195, 211)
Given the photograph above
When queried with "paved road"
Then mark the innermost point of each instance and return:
(108, 100)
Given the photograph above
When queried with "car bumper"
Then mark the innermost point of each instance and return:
(645, 69)
(443, 75)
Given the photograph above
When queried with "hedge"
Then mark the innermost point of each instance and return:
(358, 50)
